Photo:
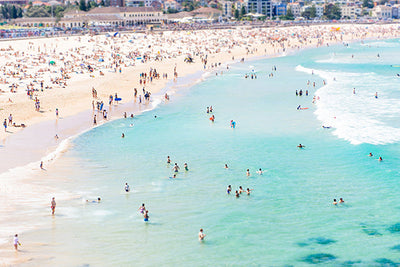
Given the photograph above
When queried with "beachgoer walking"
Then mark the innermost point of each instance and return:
(16, 242)
(53, 206)
(5, 125)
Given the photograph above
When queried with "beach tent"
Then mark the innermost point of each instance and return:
(52, 62)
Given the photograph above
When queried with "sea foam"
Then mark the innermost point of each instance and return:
(360, 117)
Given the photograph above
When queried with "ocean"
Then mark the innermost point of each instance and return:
(288, 219)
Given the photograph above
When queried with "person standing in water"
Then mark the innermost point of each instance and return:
(142, 208)
(146, 215)
(176, 168)
(127, 189)
(186, 167)
(168, 160)
(229, 189)
(201, 235)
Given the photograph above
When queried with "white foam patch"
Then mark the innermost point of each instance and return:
(381, 44)
(358, 118)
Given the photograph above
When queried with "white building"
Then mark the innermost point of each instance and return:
(172, 4)
(348, 12)
(226, 8)
(295, 8)
(319, 11)
(382, 12)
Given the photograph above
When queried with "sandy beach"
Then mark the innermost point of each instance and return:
(56, 84)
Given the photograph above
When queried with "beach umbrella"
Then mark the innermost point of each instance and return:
(52, 62)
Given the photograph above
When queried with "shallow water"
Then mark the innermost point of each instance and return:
(288, 219)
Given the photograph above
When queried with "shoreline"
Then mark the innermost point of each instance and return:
(86, 120)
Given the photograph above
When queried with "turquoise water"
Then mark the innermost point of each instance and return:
(289, 218)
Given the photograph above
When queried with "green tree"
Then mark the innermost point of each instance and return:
(237, 14)
(289, 15)
(306, 14)
(332, 11)
(82, 5)
(11, 11)
(368, 3)
(171, 10)
(92, 4)
(243, 11)
(37, 12)
(313, 11)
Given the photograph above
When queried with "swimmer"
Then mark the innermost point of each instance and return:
(341, 200)
(299, 107)
(123, 135)
(176, 167)
(94, 201)
(168, 160)
(376, 94)
(41, 165)
(248, 191)
(226, 166)
(370, 155)
(301, 146)
(237, 194)
(326, 127)
(212, 118)
(127, 189)
(334, 202)
(229, 189)
(380, 159)
(201, 235)
(185, 166)
(260, 172)
(56, 136)
(354, 91)
(142, 208)
(248, 172)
